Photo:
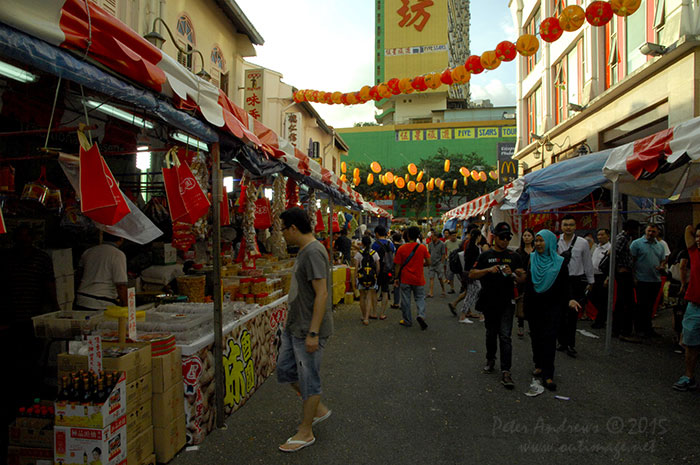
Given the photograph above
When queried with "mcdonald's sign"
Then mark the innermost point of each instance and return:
(507, 167)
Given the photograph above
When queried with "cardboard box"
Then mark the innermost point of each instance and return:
(150, 460)
(169, 440)
(32, 437)
(138, 392)
(164, 254)
(93, 415)
(66, 324)
(65, 290)
(77, 446)
(138, 420)
(136, 364)
(17, 455)
(166, 371)
(140, 447)
(62, 261)
(169, 405)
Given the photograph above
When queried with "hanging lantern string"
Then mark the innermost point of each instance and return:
(551, 29)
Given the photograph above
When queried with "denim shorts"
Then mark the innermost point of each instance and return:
(691, 325)
(296, 365)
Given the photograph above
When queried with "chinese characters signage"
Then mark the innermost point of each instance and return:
(414, 13)
(392, 52)
(292, 128)
(253, 95)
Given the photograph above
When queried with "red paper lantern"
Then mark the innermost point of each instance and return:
(550, 29)
(327, 97)
(446, 77)
(527, 45)
(599, 13)
(489, 60)
(418, 83)
(473, 64)
(344, 99)
(572, 18)
(393, 85)
(506, 51)
(374, 93)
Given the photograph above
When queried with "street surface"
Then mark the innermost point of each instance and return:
(405, 396)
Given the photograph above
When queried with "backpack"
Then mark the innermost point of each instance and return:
(454, 262)
(386, 259)
(367, 274)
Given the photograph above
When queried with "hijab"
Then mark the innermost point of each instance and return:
(545, 266)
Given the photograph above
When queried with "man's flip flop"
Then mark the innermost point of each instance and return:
(318, 420)
(295, 442)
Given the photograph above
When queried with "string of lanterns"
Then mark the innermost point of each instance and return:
(416, 185)
(598, 14)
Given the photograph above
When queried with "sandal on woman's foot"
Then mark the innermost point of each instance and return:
(365, 322)
(373, 317)
(382, 317)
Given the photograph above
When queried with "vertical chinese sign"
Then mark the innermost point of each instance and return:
(292, 129)
(253, 95)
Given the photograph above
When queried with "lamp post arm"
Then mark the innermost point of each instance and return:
(172, 38)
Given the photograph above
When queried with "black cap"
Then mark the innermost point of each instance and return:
(503, 229)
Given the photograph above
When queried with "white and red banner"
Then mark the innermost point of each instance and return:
(479, 205)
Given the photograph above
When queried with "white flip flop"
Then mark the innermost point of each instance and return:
(302, 444)
(320, 419)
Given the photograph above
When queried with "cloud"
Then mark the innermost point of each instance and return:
(495, 90)
(510, 32)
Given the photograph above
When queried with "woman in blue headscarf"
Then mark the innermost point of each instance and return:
(547, 294)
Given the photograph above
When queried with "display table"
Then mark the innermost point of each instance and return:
(250, 357)
(339, 277)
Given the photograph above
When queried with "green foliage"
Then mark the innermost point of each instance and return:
(432, 166)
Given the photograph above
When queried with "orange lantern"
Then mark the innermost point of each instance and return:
(356, 173)
(506, 50)
(475, 175)
(383, 90)
(343, 167)
(405, 86)
(336, 97)
(454, 184)
(344, 178)
(431, 184)
(493, 175)
(412, 169)
(482, 176)
(406, 177)
(432, 80)
(550, 30)
(527, 45)
(389, 176)
(447, 166)
(420, 187)
(473, 64)
(400, 182)
(489, 60)
(446, 77)
(466, 181)
(351, 98)
(625, 7)
(442, 184)
(308, 94)
(299, 96)
(375, 166)
(463, 171)
(364, 94)
(356, 181)
(599, 13)
(411, 186)
(572, 18)
(370, 179)
(460, 75)
(420, 176)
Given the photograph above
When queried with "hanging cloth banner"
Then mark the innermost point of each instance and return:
(319, 222)
(225, 209)
(186, 199)
(263, 218)
(100, 197)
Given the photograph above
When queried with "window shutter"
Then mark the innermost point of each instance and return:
(612, 58)
(223, 84)
(110, 6)
(660, 15)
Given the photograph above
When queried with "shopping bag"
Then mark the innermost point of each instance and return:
(224, 209)
(319, 222)
(100, 197)
(263, 218)
(186, 199)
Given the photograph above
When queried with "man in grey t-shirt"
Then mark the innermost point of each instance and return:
(308, 326)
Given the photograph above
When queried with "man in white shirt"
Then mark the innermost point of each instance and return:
(578, 252)
(599, 296)
(102, 275)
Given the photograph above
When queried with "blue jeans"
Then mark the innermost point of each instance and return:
(419, 297)
(296, 365)
(397, 295)
(499, 326)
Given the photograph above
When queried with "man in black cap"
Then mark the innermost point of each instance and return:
(497, 268)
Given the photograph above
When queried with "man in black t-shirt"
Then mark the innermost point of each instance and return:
(343, 245)
(497, 268)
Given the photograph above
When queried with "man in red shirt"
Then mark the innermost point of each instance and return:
(409, 261)
(690, 338)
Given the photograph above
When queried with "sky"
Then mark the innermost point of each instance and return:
(329, 45)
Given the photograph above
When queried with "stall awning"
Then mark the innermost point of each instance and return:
(662, 165)
(87, 30)
(479, 205)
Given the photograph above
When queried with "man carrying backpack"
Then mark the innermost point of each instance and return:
(386, 251)
(409, 262)
(367, 266)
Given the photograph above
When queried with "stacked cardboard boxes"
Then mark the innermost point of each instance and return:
(31, 440)
(64, 274)
(169, 432)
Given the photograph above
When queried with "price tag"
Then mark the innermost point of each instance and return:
(132, 313)
(94, 353)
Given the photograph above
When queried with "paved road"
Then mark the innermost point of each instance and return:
(405, 396)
